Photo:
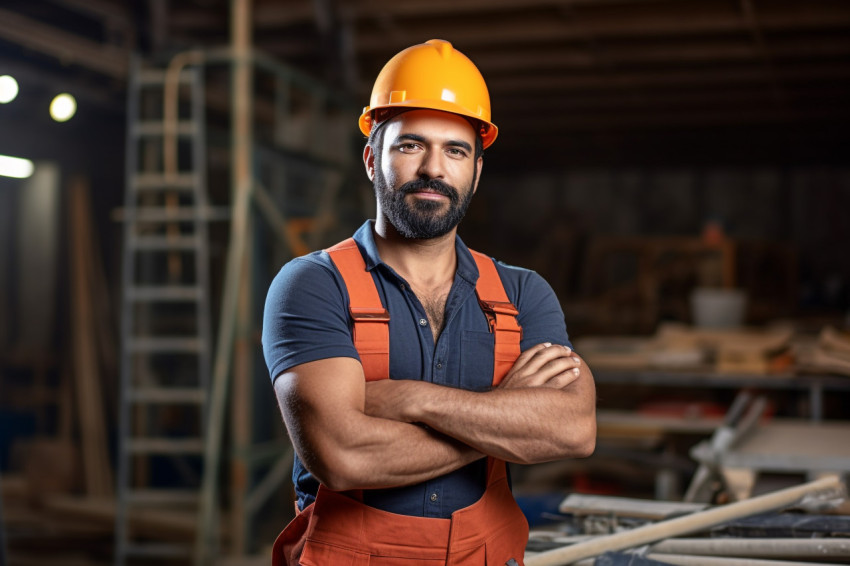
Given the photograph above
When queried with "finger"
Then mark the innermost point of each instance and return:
(551, 369)
(562, 379)
(526, 363)
(548, 355)
(533, 368)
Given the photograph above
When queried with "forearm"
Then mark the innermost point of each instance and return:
(323, 406)
(525, 425)
(377, 453)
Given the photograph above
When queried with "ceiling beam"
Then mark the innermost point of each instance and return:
(658, 79)
(539, 29)
(734, 50)
(281, 14)
(106, 97)
(63, 45)
(363, 9)
(560, 122)
(115, 13)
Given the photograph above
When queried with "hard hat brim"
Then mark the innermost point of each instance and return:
(488, 131)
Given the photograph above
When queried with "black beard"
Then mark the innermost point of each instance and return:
(420, 220)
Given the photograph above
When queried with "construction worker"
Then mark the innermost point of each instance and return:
(411, 470)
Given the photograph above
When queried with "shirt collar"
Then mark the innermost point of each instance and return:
(365, 238)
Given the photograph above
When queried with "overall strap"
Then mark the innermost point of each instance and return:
(501, 314)
(371, 320)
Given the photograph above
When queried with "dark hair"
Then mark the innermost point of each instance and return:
(376, 137)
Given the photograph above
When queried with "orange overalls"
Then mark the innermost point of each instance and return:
(339, 530)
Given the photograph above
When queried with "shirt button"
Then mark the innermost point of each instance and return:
(433, 498)
(439, 365)
(423, 322)
(402, 286)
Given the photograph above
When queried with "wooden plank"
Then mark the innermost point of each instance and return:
(828, 487)
(91, 422)
(579, 504)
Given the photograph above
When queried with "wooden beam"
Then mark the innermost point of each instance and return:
(281, 14)
(425, 8)
(577, 56)
(115, 13)
(63, 45)
(87, 381)
(658, 79)
(826, 488)
(539, 125)
(539, 28)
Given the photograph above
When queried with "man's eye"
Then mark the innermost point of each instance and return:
(407, 147)
(455, 152)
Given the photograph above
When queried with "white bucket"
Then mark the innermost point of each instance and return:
(718, 308)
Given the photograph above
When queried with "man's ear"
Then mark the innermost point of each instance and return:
(479, 165)
(369, 161)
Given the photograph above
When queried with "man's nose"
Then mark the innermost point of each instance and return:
(432, 165)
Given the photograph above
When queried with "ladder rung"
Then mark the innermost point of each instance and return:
(167, 395)
(166, 243)
(179, 214)
(184, 214)
(160, 550)
(160, 181)
(154, 77)
(157, 128)
(165, 446)
(162, 214)
(165, 293)
(162, 496)
(174, 344)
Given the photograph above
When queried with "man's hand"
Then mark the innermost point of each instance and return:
(543, 365)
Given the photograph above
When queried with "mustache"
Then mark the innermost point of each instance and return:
(432, 184)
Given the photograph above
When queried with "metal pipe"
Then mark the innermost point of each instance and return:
(757, 547)
(171, 98)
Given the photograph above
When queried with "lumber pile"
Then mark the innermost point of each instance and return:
(829, 353)
(677, 346)
(756, 531)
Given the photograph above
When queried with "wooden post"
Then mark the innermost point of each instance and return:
(96, 467)
(242, 184)
(243, 367)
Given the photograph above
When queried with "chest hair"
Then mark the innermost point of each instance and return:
(435, 308)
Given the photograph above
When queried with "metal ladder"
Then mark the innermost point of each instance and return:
(165, 326)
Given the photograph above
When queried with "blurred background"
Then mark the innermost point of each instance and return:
(678, 171)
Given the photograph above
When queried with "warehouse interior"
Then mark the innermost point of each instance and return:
(677, 171)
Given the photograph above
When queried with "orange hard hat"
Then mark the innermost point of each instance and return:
(431, 75)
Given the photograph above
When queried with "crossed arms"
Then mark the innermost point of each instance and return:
(356, 435)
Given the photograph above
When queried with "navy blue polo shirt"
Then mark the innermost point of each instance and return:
(306, 319)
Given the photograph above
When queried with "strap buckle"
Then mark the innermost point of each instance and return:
(366, 314)
(494, 310)
(499, 307)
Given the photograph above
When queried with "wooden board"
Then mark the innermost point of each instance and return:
(579, 504)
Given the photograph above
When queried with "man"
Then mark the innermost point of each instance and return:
(411, 470)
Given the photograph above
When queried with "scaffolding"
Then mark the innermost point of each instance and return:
(292, 144)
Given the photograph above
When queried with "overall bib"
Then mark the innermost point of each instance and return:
(339, 530)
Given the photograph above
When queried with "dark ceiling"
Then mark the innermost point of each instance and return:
(572, 81)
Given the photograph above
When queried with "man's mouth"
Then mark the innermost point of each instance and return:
(429, 194)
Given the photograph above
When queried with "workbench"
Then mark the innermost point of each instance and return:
(786, 446)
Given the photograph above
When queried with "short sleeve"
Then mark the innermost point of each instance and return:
(540, 313)
(306, 315)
